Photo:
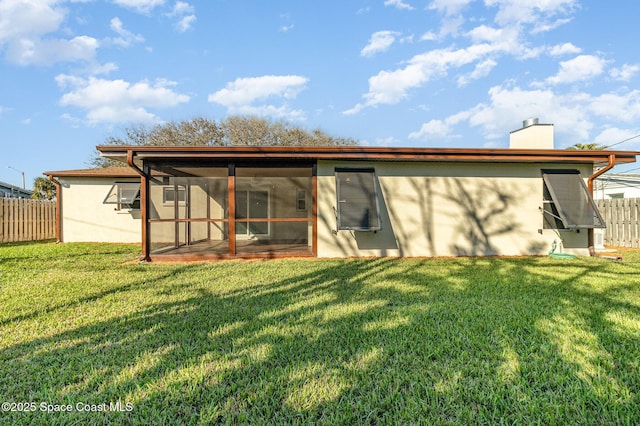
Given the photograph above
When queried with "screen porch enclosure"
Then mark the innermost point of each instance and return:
(229, 210)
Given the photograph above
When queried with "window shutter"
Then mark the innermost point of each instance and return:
(357, 200)
(571, 199)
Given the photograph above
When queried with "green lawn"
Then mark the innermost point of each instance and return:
(433, 341)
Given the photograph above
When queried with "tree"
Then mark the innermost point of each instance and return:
(232, 131)
(586, 147)
(43, 189)
(255, 131)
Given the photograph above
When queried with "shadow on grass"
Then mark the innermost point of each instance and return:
(355, 341)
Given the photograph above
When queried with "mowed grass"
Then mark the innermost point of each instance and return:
(376, 341)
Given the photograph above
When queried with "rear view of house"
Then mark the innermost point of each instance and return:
(245, 201)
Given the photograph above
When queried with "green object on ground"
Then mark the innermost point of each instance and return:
(553, 254)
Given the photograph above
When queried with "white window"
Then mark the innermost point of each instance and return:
(124, 195)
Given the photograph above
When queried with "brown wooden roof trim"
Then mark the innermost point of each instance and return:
(368, 153)
(115, 172)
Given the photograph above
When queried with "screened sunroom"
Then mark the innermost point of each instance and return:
(204, 210)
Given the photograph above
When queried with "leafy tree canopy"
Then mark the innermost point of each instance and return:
(586, 147)
(231, 131)
(43, 189)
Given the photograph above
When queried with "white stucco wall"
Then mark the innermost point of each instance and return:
(447, 209)
(86, 219)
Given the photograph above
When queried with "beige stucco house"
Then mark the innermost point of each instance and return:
(222, 202)
(83, 214)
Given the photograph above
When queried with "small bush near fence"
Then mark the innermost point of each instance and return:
(622, 217)
(27, 220)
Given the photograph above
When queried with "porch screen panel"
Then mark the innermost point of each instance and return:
(571, 202)
(270, 216)
(357, 203)
(188, 210)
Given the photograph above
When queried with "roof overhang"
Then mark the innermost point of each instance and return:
(151, 153)
(109, 172)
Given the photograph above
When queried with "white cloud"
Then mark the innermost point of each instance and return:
(626, 73)
(613, 135)
(400, 4)
(580, 68)
(507, 36)
(429, 36)
(185, 14)
(20, 20)
(482, 69)
(575, 115)
(390, 87)
(431, 130)
(287, 25)
(24, 26)
(118, 100)
(141, 6)
(540, 13)
(451, 25)
(98, 69)
(542, 27)
(185, 23)
(127, 38)
(50, 51)
(244, 91)
(379, 42)
(615, 106)
(241, 95)
(564, 49)
(449, 7)
(182, 8)
(484, 33)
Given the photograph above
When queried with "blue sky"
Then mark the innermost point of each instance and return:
(445, 73)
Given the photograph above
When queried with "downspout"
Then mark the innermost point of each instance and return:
(610, 164)
(143, 205)
(58, 186)
(130, 155)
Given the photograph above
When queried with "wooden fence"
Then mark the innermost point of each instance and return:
(27, 220)
(622, 217)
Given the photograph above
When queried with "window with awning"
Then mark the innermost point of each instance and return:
(125, 194)
(567, 202)
(357, 199)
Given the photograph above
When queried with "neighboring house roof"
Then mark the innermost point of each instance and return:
(627, 185)
(9, 190)
(122, 153)
(96, 172)
(621, 179)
